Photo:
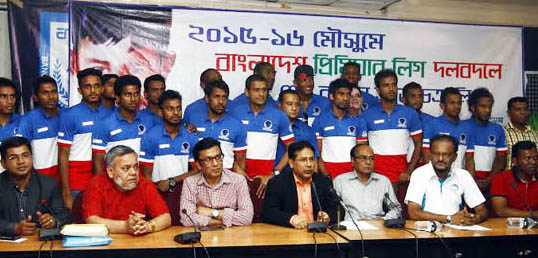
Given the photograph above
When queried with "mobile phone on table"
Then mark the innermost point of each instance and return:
(211, 228)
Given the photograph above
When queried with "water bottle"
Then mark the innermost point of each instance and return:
(520, 223)
(428, 226)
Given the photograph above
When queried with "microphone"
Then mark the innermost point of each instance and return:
(49, 233)
(530, 223)
(188, 237)
(317, 227)
(393, 223)
(428, 226)
(341, 201)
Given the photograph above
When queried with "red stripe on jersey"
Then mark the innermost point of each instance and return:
(80, 173)
(257, 167)
(337, 168)
(52, 172)
(390, 166)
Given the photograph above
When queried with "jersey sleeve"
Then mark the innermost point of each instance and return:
(501, 143)
(65, 130)
(284, 128)
(100, 137)
(147, 150)
(193, 140)
(362, 132)
(415, 126)
(316, 128)
(25, 128)
(427, 134)
(240, 141)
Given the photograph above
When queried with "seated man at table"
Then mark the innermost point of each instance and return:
(215, 196)
(512, 190)
(365, 192)
(121, 198)
(438, 192)
(29, 200)
(292, 196)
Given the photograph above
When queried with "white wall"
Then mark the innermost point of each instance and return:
(5, 64)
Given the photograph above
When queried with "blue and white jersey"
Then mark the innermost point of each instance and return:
(228, 130)
(442, 125)
(488, 140)
(169, 157)
(338, 137)
(147, 115)
(116, 130)
(263, 132)
(243, 100)
(42, 132)
(390, 135)
(317, 105)
(425, 119)
(76, 127)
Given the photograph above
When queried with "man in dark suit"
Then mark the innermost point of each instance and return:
(291, 200)
(29, 200)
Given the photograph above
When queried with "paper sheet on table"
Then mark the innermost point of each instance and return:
(472, 228)
(20, 240)
(362, 225)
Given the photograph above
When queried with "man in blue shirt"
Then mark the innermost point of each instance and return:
(267, 71)
(40, 126)
(413, 97)
(200, 106)
(166, 149)
(9, 120)
(489, 140)
(449, 123)
(312, 105)
(75, 135)
(265, 125)
(352, 73)
(289, 103)
(154, 86)
(219, 124)
(124, 126)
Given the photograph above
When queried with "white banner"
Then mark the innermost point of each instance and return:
(435, 55)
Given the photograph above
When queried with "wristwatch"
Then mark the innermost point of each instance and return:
(172, 184)
(448, 219)
(215, 214)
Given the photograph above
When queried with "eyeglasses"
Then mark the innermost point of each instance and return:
(210, 160)
(364, 158)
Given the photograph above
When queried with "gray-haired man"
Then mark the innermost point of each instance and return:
(120, 198)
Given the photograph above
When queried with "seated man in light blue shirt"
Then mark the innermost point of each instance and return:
(365, 193)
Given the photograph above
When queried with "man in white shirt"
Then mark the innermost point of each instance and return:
(438, 192)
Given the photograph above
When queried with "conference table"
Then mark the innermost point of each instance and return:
(500, 241)
(263, 240)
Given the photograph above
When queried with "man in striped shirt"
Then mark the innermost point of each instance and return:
(215, 196)
(518, 128)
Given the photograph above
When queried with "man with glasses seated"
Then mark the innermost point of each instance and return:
(365, 192)
(215, 196)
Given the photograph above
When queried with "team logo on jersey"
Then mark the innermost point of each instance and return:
(316, 111)
(402, 122)
(454, 187)
(365, 106)
(491, 139)
(224, 134)
(351, 130)
(15, 130)
(185, 147)
(463, 138)
(141, 129)
(267, 125)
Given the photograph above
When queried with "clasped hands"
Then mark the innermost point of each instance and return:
(301, 222)
(137, 225)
